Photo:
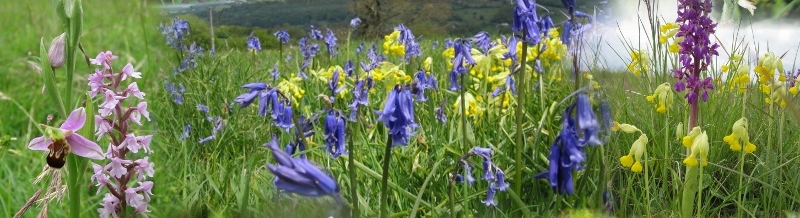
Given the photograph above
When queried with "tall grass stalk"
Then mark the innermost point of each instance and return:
(387, 155)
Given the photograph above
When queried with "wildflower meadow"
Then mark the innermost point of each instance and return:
(566, 108)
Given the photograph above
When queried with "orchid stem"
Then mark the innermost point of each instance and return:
(521, 90)
(385, 178)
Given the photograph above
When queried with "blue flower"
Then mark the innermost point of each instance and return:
(349, 67)
(333, 85)
(315, 33)
(282, 36)
(569, 5)
(435, 44)
(334, 134)
(587, 122)
(448, 43)
(398, 115)
(175, 92)
(274, 72)
(252, 43)
(202, 108)
(360, 47)
(195, 49)
(266, 98)
(186, 129)
(175, 32)
(330, 42)
(483, 41)
(355, 22)
(299, 176)
(489, 201)
(501, 183)
(406, 38)
(468, 174)
(206, 139)
(421, 83)
(360, 96)
(462, 56)
(439, 112)
(247, 98)
(284, 115)
(525, 19)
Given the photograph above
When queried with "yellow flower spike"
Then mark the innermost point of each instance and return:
(689, 139)
(627, 160)
(699, 151)
(749, 148)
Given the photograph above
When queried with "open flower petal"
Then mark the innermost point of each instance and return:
(75, 120)
(40, 144)
(84, 148)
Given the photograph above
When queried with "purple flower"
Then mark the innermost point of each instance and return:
(333, 85)
(489, 201)
(186, 129)
(360, 47)
(253, 43)
(421, 83)
(334, 134)
(175, 32)
(355, 22)
(299, 176)
(696, 49)
(587, 121)
(282, 36)
(525, 19)
(284, 115)
(435, 44)
(274, 72)
(440, 115)
(202, 108)
(176, 92)
(64, 140)
(501, 183)
(569, 5)
(360, 97)
(483, 41)
(330, 42)
(462, 56)
(315, 33)
(468, 174)
(407, 39)
(349, 67)
(398, 115)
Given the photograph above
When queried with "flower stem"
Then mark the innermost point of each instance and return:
(385, 177)
(73, 185)
(352, 172)
(521, 89)
(647, 184)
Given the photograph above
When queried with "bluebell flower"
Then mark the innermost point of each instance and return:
(435, 44)
(587, 122)
(483, 152)
(330, 42)
(247, 98)
(253, 43)
(360, 97)
(288, 57)
(398, 115)
(501, 183)
(206, 139)
(510, 84)
(306, 125)
(421, 83)
(489, 201)
(299, 176)
(525, 19)
(459, 178)
(333, 85)
(195, 49)
(175, 32)
(355, 22)
(439, 112)
(282, 36)
(468, 174)
(448, 43)
(334, 134)
(566, 35)
(185, 134)
(176, 92)
(315, 33)
(406, 38)
(202, 108)
(360, 48)
(545, 23)
(274, 72)
(488, 174)
(349, 67)
(266, 98)
(284, 120)
(463, 56)
(483, 40)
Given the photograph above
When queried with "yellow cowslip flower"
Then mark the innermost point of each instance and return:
(390, 74)
(680, 131)
(689, 139)
(627, 128)
(739, 77)
(293, 91)
(393, 47)
(668, 30)
(472, 103)
(699, 151)
(637, 150)
(767, 64)
(664, 95)
(426, 65)
(739, 133)
(674, 47)
(639, 62)
(778, 93)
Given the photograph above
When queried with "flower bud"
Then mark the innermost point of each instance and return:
(56, 51)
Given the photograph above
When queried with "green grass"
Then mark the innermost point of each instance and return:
(227, 176)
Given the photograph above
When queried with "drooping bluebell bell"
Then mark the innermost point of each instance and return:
(587, 121)
(315, 33)
(435, 44)
(288, 57)
(176, 92)
(360, 48)
(439, 112)
(282, 36)
(253, 44)
(510, 84)
(195, 49)
(355, 22)
(468, 174)
(360, 97)
(525, 19)
(398, 115)
(206, 139)
(448, 43)
(483, 40)
(202, 108)
(185, 134)
(349, 67)
(274, 72)
(175, 32)
(333, 85)
(569, 5)
(330, 42)
(374, 59)
(511, 45)
(299, 176)
(422, 82)
(501, 184)
(284, 120)
(463, 57)
(489, 201)
(253, 89)
(412, 48)
(334, 134)
(266, 98)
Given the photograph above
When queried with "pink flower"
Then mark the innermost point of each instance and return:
(111, 102)
(145, 168)
(128, 71)
(96, 82)
(146, 188)
(134, 143)
(134, 199)
(141, 110)
(104, 59)
(67, 141)
(102, 126)
(109, 204)
(133, 89)
(117, 168)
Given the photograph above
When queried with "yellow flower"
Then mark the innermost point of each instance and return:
(767, 64)
(699, 151)
(680, 131)
(628, 128)
(393, 47)
(634, 157)
(472, 109)
(639, 62)
(664, 95)
(739, 133)
(426, 65)
(290, 87)
(688, 140)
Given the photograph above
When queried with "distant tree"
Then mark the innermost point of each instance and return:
(378, 16)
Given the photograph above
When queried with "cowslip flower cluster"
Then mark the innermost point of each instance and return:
(739, 73)
(638, 149)
(566, 153)
(739, 134)
(398, 115)
(698, 141)
(640, 60)
(668, 31)
(124, 178)
(695, 50)
(491, 173)
(662, 98)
